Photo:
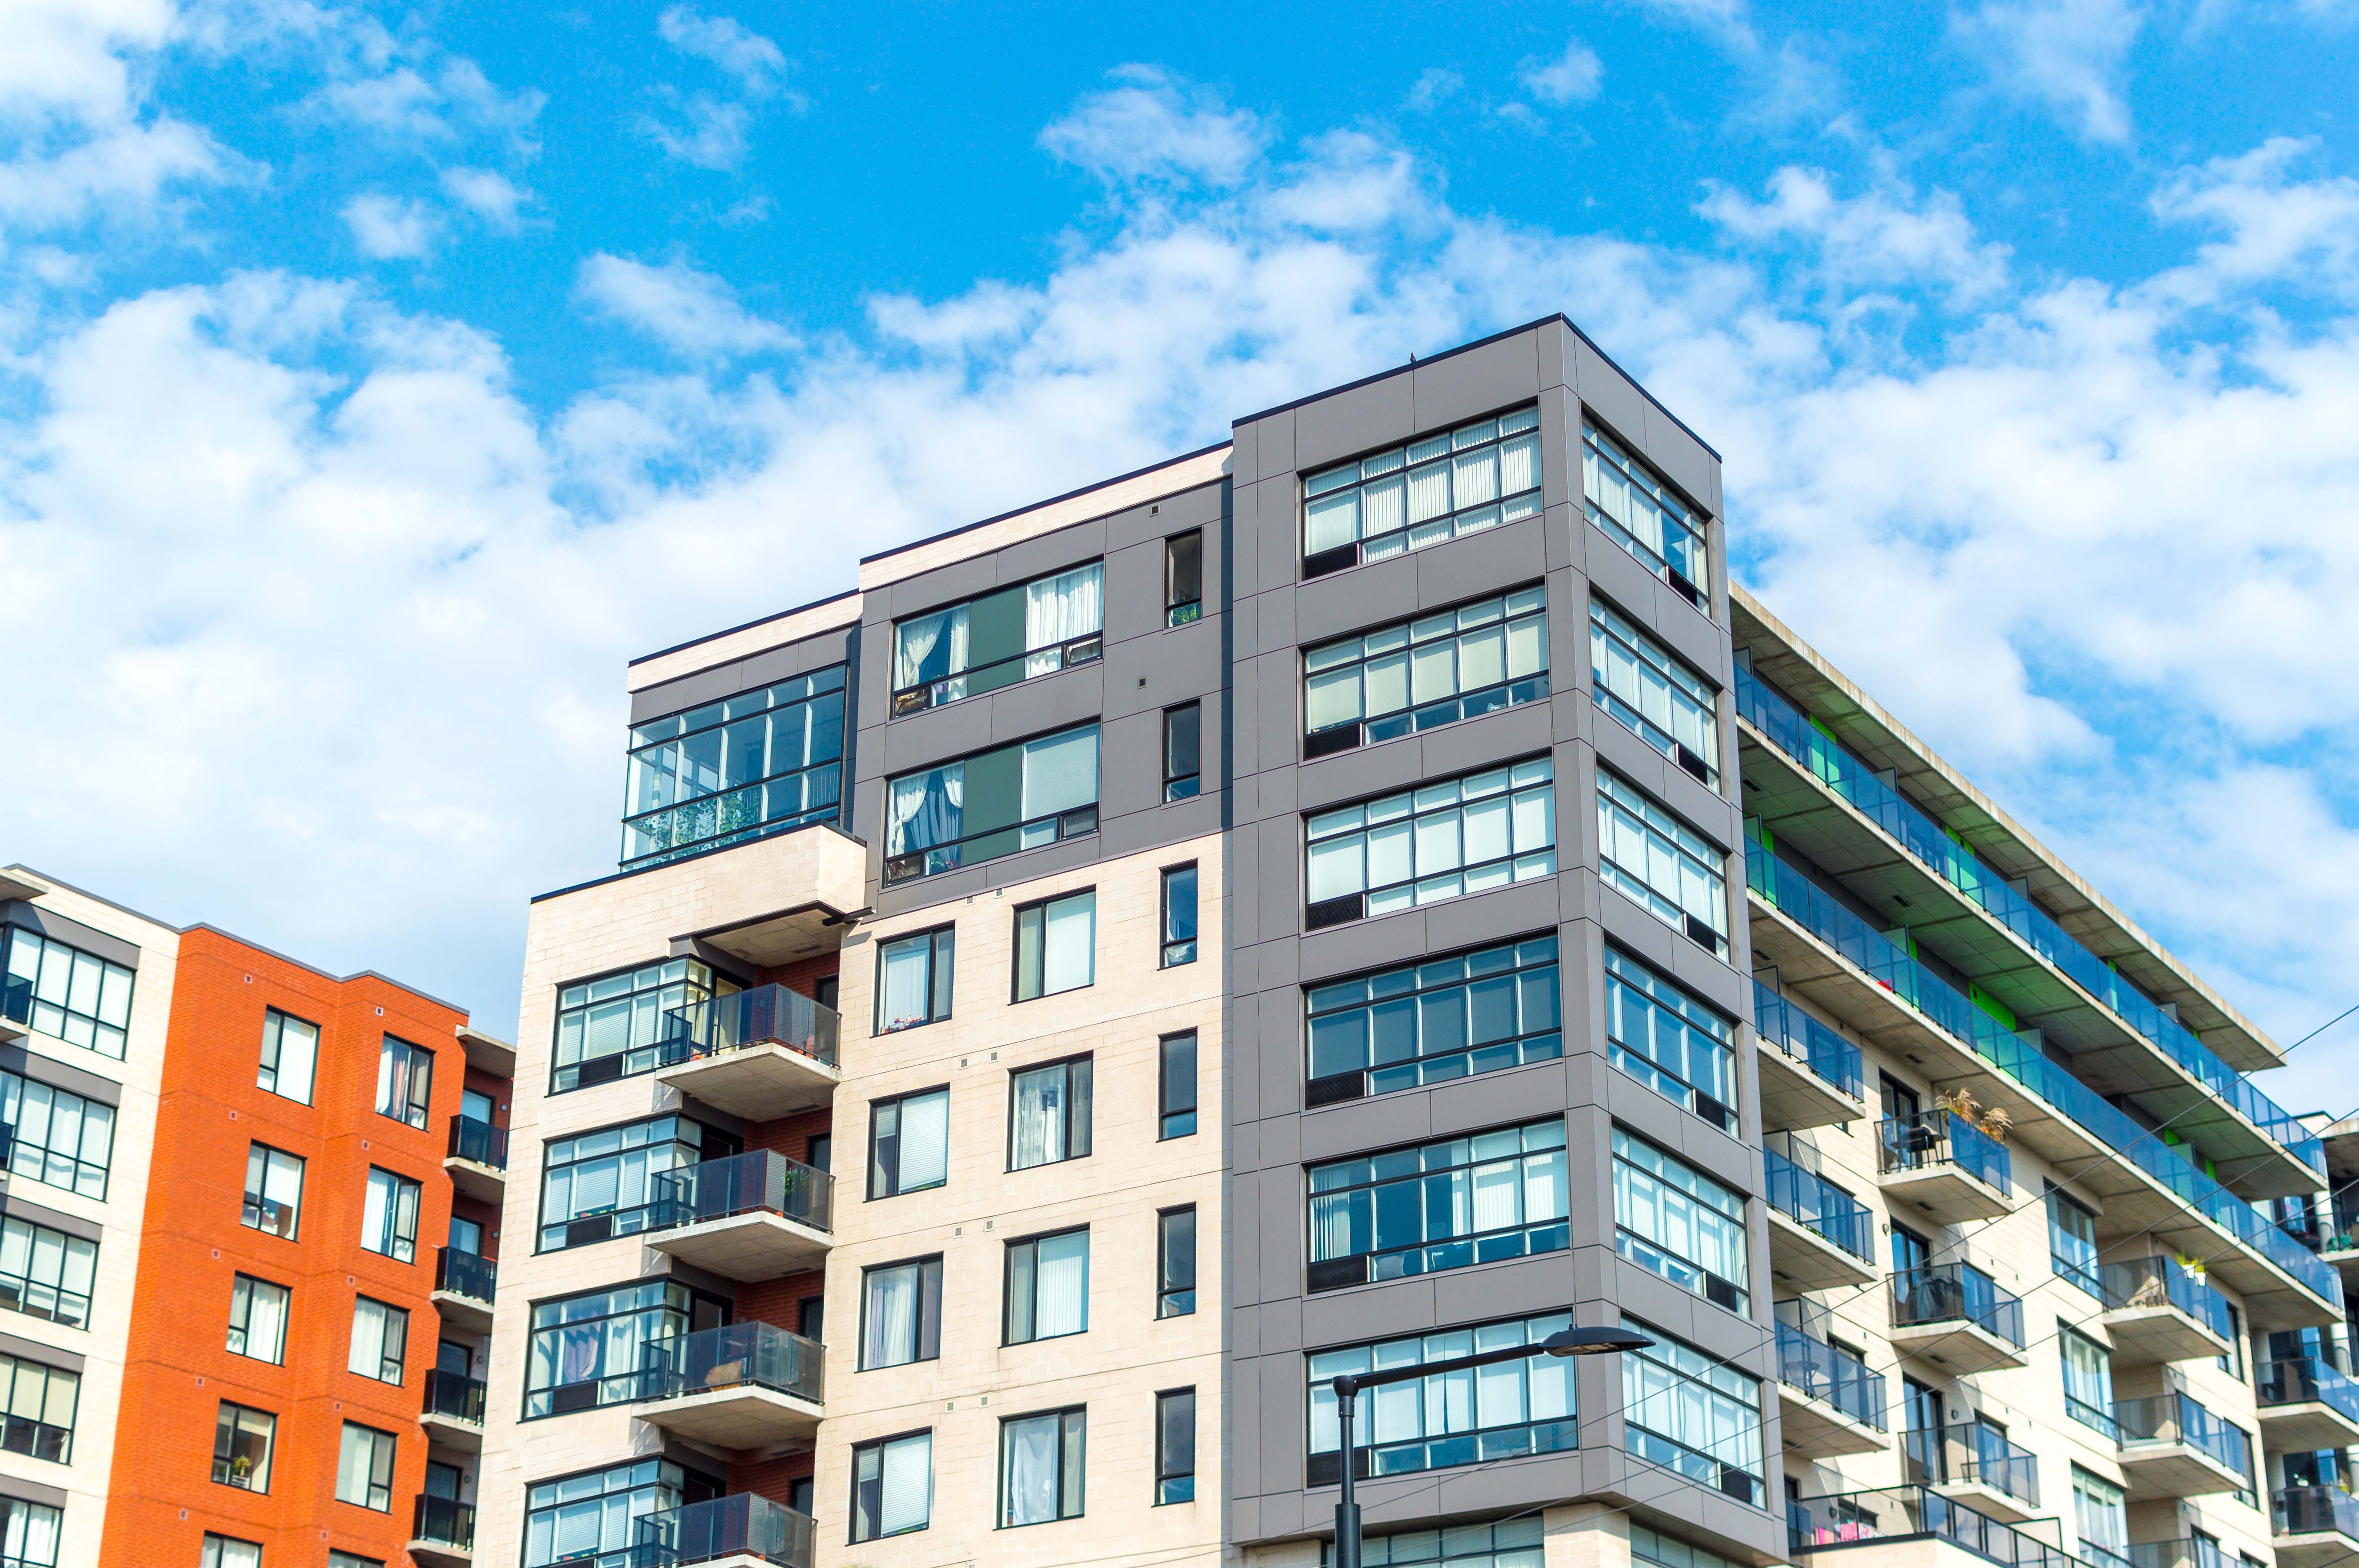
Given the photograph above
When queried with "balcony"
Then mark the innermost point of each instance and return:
(2306, 1404)
(1836, 1405)
(760, 1054)
(452, 1413)
(753, 1217)
(2157, 1311)
(442, 1533)
(1945, 1166)
(1820, 1235)
(1975, 1465)
(1810, 1075)
(736, 1532)
(477, 1160)
(463, 1290)
(1956, 1316)
(2173, 1447)
(1917, 1527)
(2194, 1551)
(2313, 1527)
(747, 1385)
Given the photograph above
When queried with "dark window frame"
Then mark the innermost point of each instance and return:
(1184, 731)
(410, 1085)
(878, 1445)
(918, 1327)
(224, 1463)
(1007, 1285)
(1178, 609)
(1064, 1414)
(941, 975)
(1040, 947)
(875, 1166)
(1077, 1108)
(1164, 1475)
(1168, 1115)
(1179, 948)
(1169, 1291)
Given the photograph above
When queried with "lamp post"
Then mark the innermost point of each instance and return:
(1564, 1342)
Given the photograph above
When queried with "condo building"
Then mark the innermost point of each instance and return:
(1368, 892)
(244, 1243)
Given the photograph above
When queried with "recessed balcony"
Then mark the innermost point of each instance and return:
(477, 1161)
(1833, 1404)
(1915, 1527)
(1820, 1235)
(2158, 1312)
(1956, 1316)
(1975, 1465)
(753, 1217)
(741, 1530)
(2173, 1447)
(1945, 1167)
(760, 1053)
(452, 1413)
(1809, 1075)
(464, 1284)
(442, 1533)
(2306, 1404)
(2313, 1527)
(748, 1385)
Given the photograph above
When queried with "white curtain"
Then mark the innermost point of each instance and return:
(1067, 606)
(892, 1336)
(920, 654)
(266, 1322)
(907, 980)
(1069, 957)
(352, 1465)
(908, 1492)
(1039, 1118)
(367, 1359)
(926, 809)
(1063, 1285)
(299, 1049)
(1060, 771)
(1498, 1188)
(1030, 1485)
(925, 1140)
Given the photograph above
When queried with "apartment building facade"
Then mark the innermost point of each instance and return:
(1369, 891)
(221, 1277)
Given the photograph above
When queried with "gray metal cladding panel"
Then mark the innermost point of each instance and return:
(1608, 396)
(1279, 561)
(1135, 590)
(1645, 600)
(936, 735)
(1526, 1288)
(1671, 786)
(1682, 1134)
(1380, 1121)
(1245, 453)
(1277, 433)
(1429, 1495)
(1553, 352)
(1476, 565)
(1130, 764)
(1360, 774)
(1352, 423)
(1067, 547)
(1559, 445)
(1364, 944)
(1352, 601)
(931, 590)
(1389, 1311)
(1681, 459)
(1177, 666)
(1674, 953)
(1280, 1076)
(1280, 1220)
(1175, 513)
(1508, 1097)
(1136, 832)
(831, 647)
(1046, 703)
(1486, 917)
(1278, 848)
(1657, 1302)
(1473, 744)
(1477, 380)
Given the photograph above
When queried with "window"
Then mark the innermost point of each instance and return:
(2233, 1361)
(290, 1049)
(908, 1143)
(45, 1272)
(365, 1468)
(819, 1151)
(609, 1029)
(1175, 1263)
(810, 1314)
(274, 1190)
(1049, 1114)
(380, 1336)
(405, 1081)
(1692, 1413)
(28, 1534)
(351, 1560)
(586, 1350)
(762, 761)
(1438, 842)
(2088, 1380)
(1178, 916)
(257, 1319)
(40, 1401)
(1669, 1041)
(1652, 691)
(1510, 1544)
(241, 1442)
(1177, 1105)
(901, 1313)
(2073, 1241)
(65, 993)
(913, 979)
(603, 1184)
(1680, 1223)
(1430, 671)
(1662, 863)
(1444, 1018)
(993, 804)
(60, 1140)
(1048, 1287)
(592, 1520)
(466, 1236)
(1638, 512)
(799, 1492)
(1057, 946)
(1041, 1468)
(1439, 1205)
(1183, 751)
(1037, 629)
(2100, 1520)
(1458, 1418)
(389, 1216)
(1447, 484)
(1175, 1446)
(892, 1486)
(1663, 1552)
(221, 1551)
(1183, 577)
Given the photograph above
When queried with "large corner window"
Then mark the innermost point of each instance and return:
(1466, 1417)
(1693, 1414)
(1673, 1220)
(1447, 484)
(992, 803)
(1425, 1022)
(64, 993)
(759, 763)
(1439, 1205)
(602, 1185)
(1669, 1041)
(592, 1521)
(61, 1138)
(1662, 863)
(1035, 629)
(1435, 670)
(1652, 691)
(46, 1274)
(613, 1027)
(589, 1351)
(1639, 512)
(1438, 842)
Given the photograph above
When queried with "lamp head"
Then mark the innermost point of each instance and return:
(1593, 1342)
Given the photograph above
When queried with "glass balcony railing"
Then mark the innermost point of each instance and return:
(2314, 1510)
(767, 1015)
(1792, 733)
(1795, 1034)
(1956, 1292)
(456, 1395)
(2140, 1282)
(744, 1524)
(1816, 911)
(764, 1182)
(2175, 1418)
(1942, 1137)
(1970, 1452)
(464, 1275)
(1835, 1376)
(479, 1142)
(2307, 1381)
(1895, 1512)
(445, 1521)
(1819, 1205)
(740, 1354)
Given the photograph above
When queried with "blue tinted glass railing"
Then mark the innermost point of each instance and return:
(1942, 1137)
(2175, 1418)
(1818, 1206)
(732, 1528)
(2306, 1380)
(2315, 1510)
(2137, 1283)
(1814, 908)
(1954, 1293)
(1799, 1035)
(1836, 1376)
(761, 1182)
(1915, 832)
(1896, 1513)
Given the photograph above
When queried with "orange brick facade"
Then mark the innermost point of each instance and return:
(179, 1370)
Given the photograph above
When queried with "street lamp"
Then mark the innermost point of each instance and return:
(1564, 1342)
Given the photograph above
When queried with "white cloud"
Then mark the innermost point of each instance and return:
(705, 129)
(759, 65)
(693, 313)
(407, 87)
(708, 132)
(2277, 226)
(2065, 54)
(1572, 77)
(1882, 238)
(388, 228)
(1154, 128)
(1434, 86)
(491, 196)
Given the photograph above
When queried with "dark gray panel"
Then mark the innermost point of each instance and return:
(1360, 774)
(1671, 787)
(60, 1075)
(936, 735)
(688, 691)
(1616, 405)
(1130, 765)
(1280, 560)
(1477, 380)
(1047, 553)
(1182, 663)
(1133, 832)
(1370, 1313)
(1685, 1137)
(1277, 432)
(1647, 601)
(33, 1492)
(1134, 592)
(1505, 1098)
(1355, 600)
(1045, 703)
(1473, 744)
(1384, 1121)
(16, 1207)
(1277, 842)
(932, 590)
(1280, 1220)
(1552, 354)
(1679, 458)
(1364, 944)
(1481, 564)
(1245, 453)
(1486, 917)
(46, 1355)
(1363, 419)
(1524, 1288)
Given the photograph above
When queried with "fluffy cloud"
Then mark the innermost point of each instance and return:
(1884, 238)
(1572, 77)
(387, 228)
(81, 137)
(759, 65)
(2064, 54)
(1154, 128)
(693, 313)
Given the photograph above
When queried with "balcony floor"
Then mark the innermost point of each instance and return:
(1794, 1097)
(739, 1416)
(464, 1314)
(759, 1083)
(2159, 1469)
(2143, 1336)
(2314, 1548)
(1818, 1429)
(449, 1430)
(1943, 1193)
(1985, 1499)
(746, 1247)
(441, 1555)
(486, 1183)
(1803, 1258)
(2306, 1428)
(1956, 1345)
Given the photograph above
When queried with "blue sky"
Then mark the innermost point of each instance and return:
(373, 382)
